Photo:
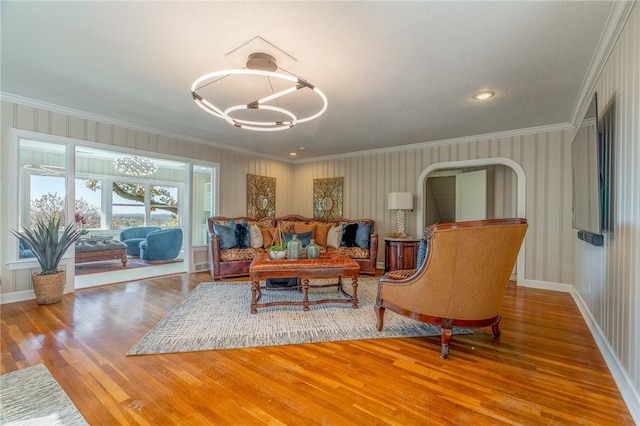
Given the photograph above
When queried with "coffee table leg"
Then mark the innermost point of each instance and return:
(354, 281)
(255, 287)
(305, 294)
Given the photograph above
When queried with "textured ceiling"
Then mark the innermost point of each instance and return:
(395, 73)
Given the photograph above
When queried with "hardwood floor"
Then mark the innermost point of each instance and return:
(544, 370)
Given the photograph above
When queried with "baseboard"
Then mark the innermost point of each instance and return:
(625, 385)
(547, 285)
(17, 296)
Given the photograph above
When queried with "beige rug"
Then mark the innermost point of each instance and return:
(31, 396)
(217, 316)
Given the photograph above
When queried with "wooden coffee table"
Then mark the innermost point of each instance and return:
(329, 265)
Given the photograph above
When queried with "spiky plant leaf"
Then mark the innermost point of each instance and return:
(47, 244)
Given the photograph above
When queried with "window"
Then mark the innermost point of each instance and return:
(42, 184)
(128, 205)
(89, 202)
(163, 206)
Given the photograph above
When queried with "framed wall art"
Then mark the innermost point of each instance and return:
(261, 196)
(327, 198)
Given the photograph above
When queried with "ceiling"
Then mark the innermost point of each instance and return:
(394, 73)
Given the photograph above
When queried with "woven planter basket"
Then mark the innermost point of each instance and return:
(48, 288)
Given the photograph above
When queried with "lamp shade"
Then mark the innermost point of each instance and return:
(400, 201)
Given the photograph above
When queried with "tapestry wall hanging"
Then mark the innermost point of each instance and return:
(327, 198)
(261, 196)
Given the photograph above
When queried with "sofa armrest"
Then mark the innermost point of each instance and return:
(214, 254)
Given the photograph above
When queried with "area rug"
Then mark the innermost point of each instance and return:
(217, 316)
(116, 265)
(32, 397)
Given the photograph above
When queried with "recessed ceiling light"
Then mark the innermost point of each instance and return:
(303, 148)
(481, 96)
(293, 154)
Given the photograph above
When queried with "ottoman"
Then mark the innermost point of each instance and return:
(93, 250)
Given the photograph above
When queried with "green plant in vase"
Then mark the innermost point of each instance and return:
(279, 250)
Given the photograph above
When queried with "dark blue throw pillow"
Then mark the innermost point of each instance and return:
(362, 235)
(305, 237)
(349, 234)
(243, 236)
(227, 235)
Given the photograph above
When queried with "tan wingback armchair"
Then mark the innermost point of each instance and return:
(463, 280)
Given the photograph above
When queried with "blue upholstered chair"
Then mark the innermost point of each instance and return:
(161, 245)
(132, 237)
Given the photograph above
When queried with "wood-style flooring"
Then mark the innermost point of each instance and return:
(544, 370)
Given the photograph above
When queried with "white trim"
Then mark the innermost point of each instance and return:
(17, 296)
(520, 199)
(620, 11)
(33, 103)
(547, 285)
(621, 378)
(444, 142)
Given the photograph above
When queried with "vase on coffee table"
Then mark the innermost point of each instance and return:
(294, 248)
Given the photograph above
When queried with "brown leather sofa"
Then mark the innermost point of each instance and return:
(225, 260)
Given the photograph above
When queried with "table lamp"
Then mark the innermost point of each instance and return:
(400, 201)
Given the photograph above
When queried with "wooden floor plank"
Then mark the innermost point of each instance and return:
(545, 369)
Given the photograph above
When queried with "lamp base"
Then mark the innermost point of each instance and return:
(400, 223)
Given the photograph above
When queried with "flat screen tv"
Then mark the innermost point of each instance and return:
(589, 178)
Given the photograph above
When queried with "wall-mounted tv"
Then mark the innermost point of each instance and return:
(588, 157)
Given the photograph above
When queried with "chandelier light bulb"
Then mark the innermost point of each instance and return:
(135, 166)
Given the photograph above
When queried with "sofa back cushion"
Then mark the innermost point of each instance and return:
(301, 228)
(322, 232)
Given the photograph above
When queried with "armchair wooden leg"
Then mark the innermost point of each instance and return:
(445, 338)
(380, 314)
(495, 327)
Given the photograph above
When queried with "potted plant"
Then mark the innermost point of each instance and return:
(48, 246)
(279, 250)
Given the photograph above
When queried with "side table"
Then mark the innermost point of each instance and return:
(400, 253)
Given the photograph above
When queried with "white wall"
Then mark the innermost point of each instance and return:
(607, 279)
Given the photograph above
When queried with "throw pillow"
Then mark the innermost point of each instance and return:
(322, 232)
(242, 235)
(301, 228)
(256, 236)
(305, 237)
(267, 237)
(227, 235)
(349, 234)
(334, 236)
(362, 235)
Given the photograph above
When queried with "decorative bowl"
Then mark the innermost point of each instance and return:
(277, 254)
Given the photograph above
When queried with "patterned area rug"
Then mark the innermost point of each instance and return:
(116, 265)
(217, 316)
(32, 397)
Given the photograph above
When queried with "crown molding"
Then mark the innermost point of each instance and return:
(453, 141)
(620, 11)
(33, 103)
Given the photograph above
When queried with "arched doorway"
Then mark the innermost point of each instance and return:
(519, 199)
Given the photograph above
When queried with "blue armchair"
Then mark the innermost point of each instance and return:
(132, 237)
(161, 245)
